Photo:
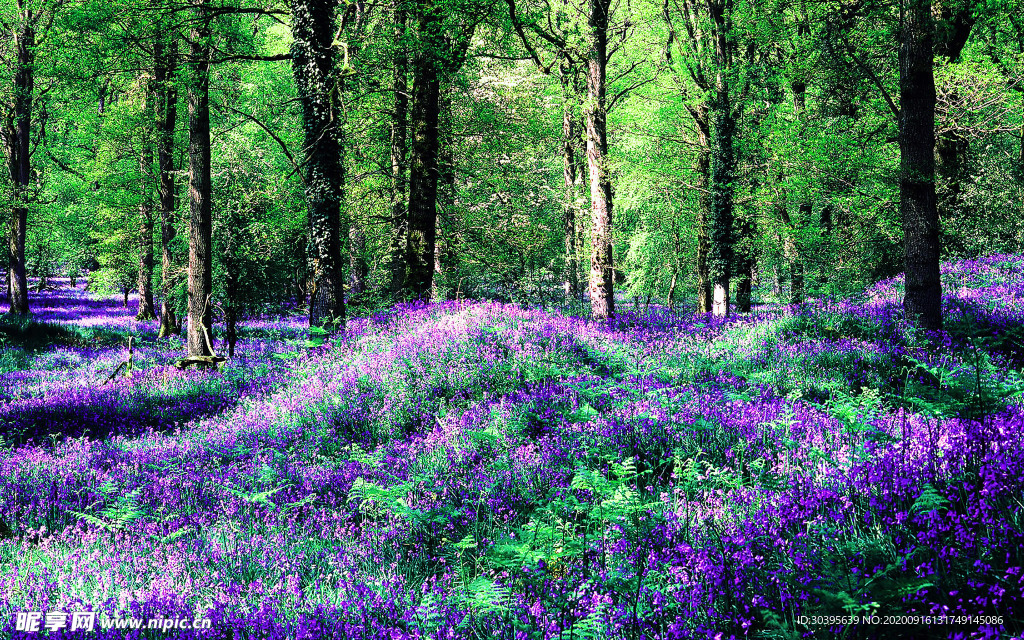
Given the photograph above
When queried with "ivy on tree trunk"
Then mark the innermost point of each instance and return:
(314, 66)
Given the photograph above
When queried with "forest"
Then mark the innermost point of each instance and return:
(524, 319)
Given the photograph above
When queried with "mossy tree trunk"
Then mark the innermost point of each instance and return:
(314, 66)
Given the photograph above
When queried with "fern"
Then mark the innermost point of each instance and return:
(262, 497)
(487, 597)
(591, 627)
(124, 510)
(929, 501)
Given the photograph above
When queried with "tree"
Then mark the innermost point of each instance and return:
(570, 63)
(17, 138)
(399, 240)
(708, 55)
(145, 279)
(444, 32)
(423, 172)
(200, 227)
(602, 274)
(922, 302)
(165, 98)
(314, 65)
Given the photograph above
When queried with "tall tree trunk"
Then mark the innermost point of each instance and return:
(744, 260)
(231, 309)
(314, 67)
(399, 213)
(790, 249)
(705, 291)
(444, 247)
(423, 170)
(359, 270)
(922, 303)
(165, 62)
(200, 249)
(720, 248)
(602, 285)
(18, 131)
(723, 169)
(146, 310)
(804, 209)
(570, 135)
(951, 168)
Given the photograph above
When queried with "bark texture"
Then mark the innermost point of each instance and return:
(423, 171)
(200, 227)
(723, 161)
(314, 66)
(399, 125)
(705, 291)
(922, 303)
(570, 178)
(165, 63)
(17, 138)
(146, 310)
(602, 285)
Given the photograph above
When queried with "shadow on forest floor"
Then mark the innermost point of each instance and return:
(128, 410)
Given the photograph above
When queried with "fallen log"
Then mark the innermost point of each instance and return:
(202, 362)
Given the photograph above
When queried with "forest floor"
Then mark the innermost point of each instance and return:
(479, 470)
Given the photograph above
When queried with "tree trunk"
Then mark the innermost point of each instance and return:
(146, 311)
(671, 299)
(17, 134)
(570, 135)
(744, 266)
(314, 67)
(705, 292)
(723, 169)
(165, 61)
(951, 168)
(805, 208)
(602, 285)
(423, 171)
(444, 247)
(399, 213)
(358, 268)
(200, 254)
(922, 303)
(231, 309)
(720, 224)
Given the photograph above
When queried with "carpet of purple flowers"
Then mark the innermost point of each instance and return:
(478, 470)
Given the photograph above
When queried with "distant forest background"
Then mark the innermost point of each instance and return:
(226, 159)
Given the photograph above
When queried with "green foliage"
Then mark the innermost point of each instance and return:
(120, 510)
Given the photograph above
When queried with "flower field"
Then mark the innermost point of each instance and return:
(478, 470)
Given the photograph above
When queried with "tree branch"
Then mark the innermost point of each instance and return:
(297, 168)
